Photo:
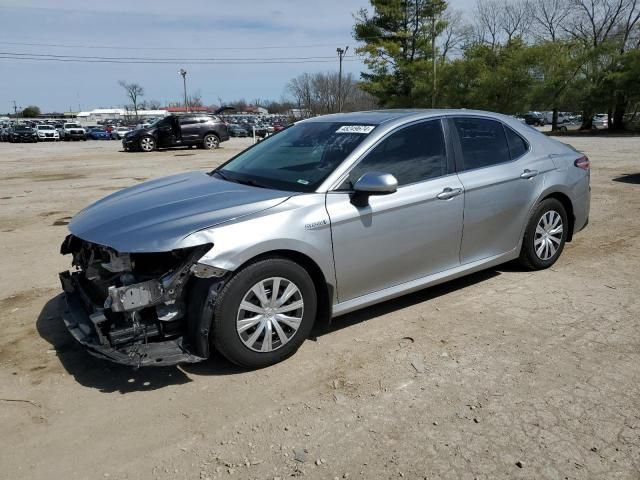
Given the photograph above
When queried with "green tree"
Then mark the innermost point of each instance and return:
(557, 65)
(31, 111)
(399, 48)
(496, 78)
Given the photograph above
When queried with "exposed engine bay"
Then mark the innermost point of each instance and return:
(134, 308)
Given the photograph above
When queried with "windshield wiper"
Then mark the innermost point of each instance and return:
(251, 183)
(221, 175)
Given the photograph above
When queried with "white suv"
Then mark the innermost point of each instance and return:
(72, 131)
(47, 132)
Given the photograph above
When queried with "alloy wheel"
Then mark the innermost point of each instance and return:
(147, 144)
(270, 314)
(548, 236)
(210, 142)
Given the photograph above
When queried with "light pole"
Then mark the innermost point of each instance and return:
(341, 53)
(183, 72)
(434, 91)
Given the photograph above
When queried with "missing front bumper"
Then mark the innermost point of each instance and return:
(78, 316)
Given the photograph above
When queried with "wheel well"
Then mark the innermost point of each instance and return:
(324, 291)
(211, 132)
(568, 206)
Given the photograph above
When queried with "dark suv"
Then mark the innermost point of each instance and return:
(202, 130)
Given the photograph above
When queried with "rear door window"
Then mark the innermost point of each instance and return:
(483, 142)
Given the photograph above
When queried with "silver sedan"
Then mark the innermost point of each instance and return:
(330, 215)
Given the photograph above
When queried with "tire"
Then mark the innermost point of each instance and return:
(210, 141)
(147, 143)
(249, 348)
(542, 246)
(562, 128)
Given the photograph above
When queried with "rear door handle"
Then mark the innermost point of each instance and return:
(529, 173)
(448, 193)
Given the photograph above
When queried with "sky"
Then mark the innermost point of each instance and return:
(172, 30)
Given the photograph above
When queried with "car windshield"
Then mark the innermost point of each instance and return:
(71, 125)
(45, 127)
(298, 158)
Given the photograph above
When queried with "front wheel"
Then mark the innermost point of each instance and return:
(545, 236)
(147, 144)
(264, 313)
(211, 141)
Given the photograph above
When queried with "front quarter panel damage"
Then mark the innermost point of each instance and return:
(130, 308)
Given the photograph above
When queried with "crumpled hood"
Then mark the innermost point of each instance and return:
(156, 216)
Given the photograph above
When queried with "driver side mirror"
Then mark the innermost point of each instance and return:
(373, 183)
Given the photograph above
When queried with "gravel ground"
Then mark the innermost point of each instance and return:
(503, 374)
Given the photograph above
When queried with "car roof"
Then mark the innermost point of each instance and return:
(379, 117)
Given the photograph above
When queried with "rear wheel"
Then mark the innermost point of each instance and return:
(211, 141)
(545, 235)
(264, 313)
(147, 144)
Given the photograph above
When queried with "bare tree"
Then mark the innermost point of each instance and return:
(151, 105)
(487, 21)
(195, 99)
(318, 93)
(550, 17)
(455, 33)
(302, 91)
(596, 21)
(630, 37)
(134, 92)
(515, 18)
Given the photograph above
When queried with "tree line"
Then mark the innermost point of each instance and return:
(508, 56)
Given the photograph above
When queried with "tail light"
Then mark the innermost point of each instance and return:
(583, 163)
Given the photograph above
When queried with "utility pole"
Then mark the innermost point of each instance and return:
(183, 72)
(341, 53)
(15, 110)
(433, 54)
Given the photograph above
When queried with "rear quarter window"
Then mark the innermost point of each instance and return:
(518, 146)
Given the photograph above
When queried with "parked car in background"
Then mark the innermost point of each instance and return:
(22, 133)
(601, 120)
(4, 133)
(562, 117)
(570, 126)
(237, 131)
(119, 132)
(72, 131)
(47, 133)
(201, 130)
(259, 130)
(98, 133)
(331, 215)
(534, 118)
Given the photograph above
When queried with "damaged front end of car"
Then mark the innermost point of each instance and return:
(140, 309)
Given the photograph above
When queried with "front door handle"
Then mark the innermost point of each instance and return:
(529, 173)
(448, 193)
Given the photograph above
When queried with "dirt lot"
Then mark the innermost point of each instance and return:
(504, 374)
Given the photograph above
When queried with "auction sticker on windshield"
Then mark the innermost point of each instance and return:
(355, 129)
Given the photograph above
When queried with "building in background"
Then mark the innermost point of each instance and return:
(102, 114)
